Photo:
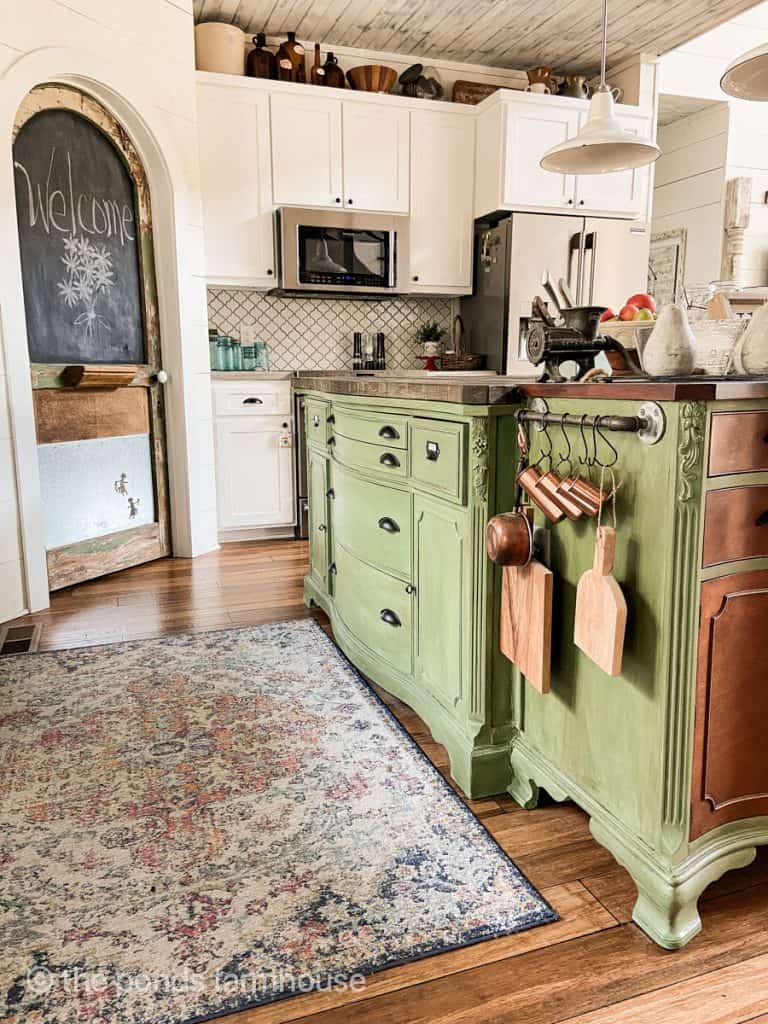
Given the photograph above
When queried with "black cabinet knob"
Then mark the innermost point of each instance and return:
(570, 202)
(330, 493)
(270, 273)
(581, 202)
(332, 569)
(349, 202)
(388, 616)
(338, 199)
(322, 527)
(415, 277)
(410, 589)
(388, 525)
(389, 432)
(388, 459)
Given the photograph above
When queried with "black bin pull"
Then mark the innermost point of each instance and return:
(433, 451)
(388, 525)
(388, 459)
(252, 401)
(388, 616)
(389, 432)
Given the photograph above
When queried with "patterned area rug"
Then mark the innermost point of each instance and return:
(201, 823)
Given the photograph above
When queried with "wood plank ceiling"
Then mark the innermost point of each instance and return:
(500, 33)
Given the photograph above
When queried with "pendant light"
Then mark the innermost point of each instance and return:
(746, 78)
(602, 145)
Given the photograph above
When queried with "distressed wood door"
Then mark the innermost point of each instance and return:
(85, 238)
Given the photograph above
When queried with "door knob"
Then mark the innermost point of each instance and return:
(161, 377)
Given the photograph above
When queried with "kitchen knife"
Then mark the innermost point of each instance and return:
(546, 284)
(565, 291)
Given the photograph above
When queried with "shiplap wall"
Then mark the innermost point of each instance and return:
(142, 55)
(689, 187)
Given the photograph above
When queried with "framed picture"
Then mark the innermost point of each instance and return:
(666, 265)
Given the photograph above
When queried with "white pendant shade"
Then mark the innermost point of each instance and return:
(602, 145)
(747, 76)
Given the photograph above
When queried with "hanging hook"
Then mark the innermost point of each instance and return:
(609, 444)
(548, 453)
(583, 460)
(565, 456)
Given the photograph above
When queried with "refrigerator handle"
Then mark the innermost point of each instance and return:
(590, 245)
(575, 245)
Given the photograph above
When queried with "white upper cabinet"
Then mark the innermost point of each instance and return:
(514, 131)
(376, 163)
(621, 192)
(531, 131)
(236, 185)
(306, 149)
(441, 229)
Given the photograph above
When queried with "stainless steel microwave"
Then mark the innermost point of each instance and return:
(325, 251)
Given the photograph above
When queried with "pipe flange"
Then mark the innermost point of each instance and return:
(655, 423)
(538, 405)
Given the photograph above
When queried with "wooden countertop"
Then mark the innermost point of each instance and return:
(469, 390)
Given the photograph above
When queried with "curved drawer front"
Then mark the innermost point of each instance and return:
(372, 521)
(375, 608)
(375, 428)
(735, 524)
(390, 462)
(738, 442)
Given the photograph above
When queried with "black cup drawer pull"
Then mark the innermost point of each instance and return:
(252, 401)
(388, 616)
(388, 459)
(388, 525)
(389, 432)
(762, 519)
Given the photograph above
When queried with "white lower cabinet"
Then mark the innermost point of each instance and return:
(254, 462)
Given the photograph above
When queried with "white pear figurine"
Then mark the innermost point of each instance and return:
(752, 351)
(671, 348)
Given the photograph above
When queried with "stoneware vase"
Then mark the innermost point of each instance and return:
(751, 355)
(671, 348)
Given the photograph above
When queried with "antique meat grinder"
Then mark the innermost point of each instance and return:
(574, 339)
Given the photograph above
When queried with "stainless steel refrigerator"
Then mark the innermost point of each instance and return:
(603, 261)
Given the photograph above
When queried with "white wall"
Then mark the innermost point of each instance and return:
(689, 187)
(137, 58)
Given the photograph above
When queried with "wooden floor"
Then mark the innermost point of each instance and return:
(592, 967)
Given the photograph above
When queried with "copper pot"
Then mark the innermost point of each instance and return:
(529, 480)
(509, 538)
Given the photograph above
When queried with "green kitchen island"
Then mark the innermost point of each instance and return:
(668, 758)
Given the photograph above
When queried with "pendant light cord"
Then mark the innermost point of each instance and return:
(605, 42)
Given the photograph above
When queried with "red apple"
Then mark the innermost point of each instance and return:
(607, 315)
(628, 312)
(643, 301)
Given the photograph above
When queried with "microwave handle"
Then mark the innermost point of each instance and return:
(391, 278)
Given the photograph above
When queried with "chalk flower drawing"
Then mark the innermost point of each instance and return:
(89, 274)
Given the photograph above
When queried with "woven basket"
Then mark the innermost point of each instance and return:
(461, 361)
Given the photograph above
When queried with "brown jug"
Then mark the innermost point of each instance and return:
(334, 76)
(290, 60)
(261, 62)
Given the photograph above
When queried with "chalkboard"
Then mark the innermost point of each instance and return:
(76, 210)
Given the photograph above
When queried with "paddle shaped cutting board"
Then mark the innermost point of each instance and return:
(601, 608)
(525, 626)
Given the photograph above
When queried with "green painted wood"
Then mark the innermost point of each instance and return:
(441, 567)
(438, 457)
(385, 428)
(316, 417)
(373, 521)
(383, 462)
(376, 607)
(319, 540)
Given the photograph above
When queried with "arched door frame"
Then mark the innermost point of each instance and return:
(117, 86)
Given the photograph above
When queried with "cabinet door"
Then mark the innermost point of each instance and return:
(442, 172)
(306, 150)
(376, 161)
(254, 473)
(236, 191)
(622, 193)
(730, 769)
(443, 624)
(532, 129)
(318, 517)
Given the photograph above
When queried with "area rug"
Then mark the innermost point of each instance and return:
(201, 823)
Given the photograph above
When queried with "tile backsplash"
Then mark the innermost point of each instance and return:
(316, 334)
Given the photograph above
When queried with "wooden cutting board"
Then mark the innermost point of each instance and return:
(525, 626)
(601, 608)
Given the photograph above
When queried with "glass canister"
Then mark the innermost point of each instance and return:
(262, 355)
(213, 337)
(223, 358)
(237, 355)
(249, 357)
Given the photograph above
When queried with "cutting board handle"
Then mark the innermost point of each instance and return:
(605, 550)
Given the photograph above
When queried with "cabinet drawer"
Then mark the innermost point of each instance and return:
(372, 521)
(735, 524)
(246, 399)
(375, 428)
(316, 414)
(370, 457)
(437, 456)
(375, 608)
(738, 442)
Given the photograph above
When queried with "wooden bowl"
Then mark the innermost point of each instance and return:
(372, 78)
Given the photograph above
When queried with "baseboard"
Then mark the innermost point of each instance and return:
(258, 533)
